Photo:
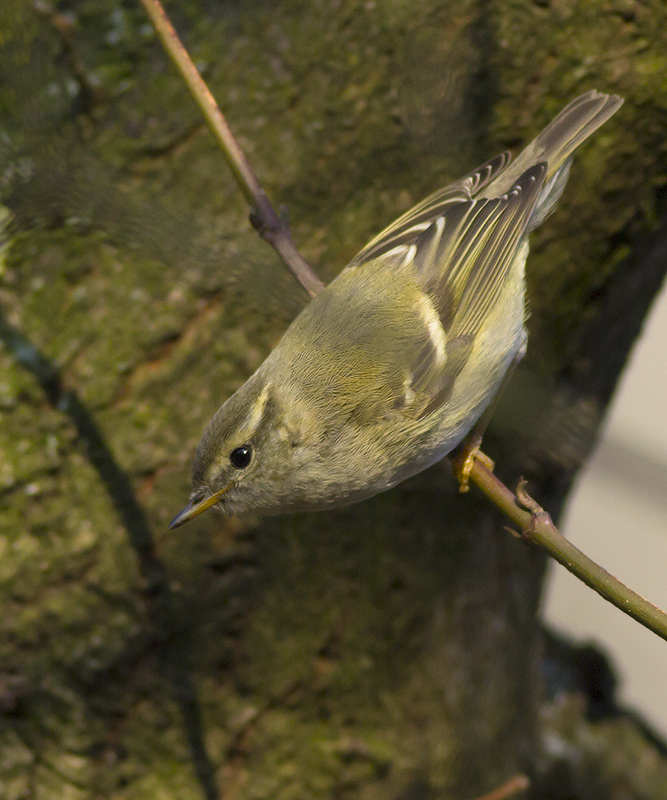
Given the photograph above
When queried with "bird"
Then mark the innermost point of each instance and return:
(392, 365)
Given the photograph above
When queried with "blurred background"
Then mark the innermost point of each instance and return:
(618, 516)
(387, 650)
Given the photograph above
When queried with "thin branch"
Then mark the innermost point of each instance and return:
(271, 227)
(536, 527)
(519, 783)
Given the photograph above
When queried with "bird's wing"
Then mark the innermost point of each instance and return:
(462, 250)
(463, 260)
(404, 232)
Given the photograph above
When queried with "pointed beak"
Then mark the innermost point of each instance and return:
(195, 507)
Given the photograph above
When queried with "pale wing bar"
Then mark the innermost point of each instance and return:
(463, 258)
(494, 261)
(405, 231)
(466, 259)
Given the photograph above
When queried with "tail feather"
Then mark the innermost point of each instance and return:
(551, 192)
(555, 144)
(575, 123)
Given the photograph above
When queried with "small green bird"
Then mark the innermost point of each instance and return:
(393, 363)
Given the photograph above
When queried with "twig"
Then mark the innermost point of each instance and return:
(536, 527)
(271, 227)
(516, 784)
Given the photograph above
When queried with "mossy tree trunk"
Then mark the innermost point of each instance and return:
(388, 650)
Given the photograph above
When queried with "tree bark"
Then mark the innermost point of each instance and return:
(387, 650)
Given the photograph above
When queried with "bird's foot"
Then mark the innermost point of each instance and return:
(464, 460)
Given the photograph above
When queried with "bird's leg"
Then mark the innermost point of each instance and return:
(465, 455)
(468, 452)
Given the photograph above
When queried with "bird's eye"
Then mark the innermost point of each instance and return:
(240, 457)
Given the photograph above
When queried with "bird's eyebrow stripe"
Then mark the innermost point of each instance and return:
(240, 434)
(254, 418)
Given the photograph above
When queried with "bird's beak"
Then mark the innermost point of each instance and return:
(195, 507)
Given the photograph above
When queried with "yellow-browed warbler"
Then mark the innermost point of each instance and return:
(392, 364)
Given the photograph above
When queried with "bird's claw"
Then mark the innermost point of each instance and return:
(464, 460)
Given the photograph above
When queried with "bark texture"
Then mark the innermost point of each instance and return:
(390, 650)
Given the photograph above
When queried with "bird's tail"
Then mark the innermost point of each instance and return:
(555, 145)
(576, 122)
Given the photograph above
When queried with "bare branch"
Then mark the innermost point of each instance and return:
(515, 785)
(536, 527)
(271, 227)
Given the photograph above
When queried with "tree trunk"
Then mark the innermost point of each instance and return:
(387, 650)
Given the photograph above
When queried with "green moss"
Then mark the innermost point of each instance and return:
(335, 655)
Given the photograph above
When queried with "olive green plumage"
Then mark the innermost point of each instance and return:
(391, 365)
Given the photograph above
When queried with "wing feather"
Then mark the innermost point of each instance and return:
(491, 263)
(464, 264)
(405, 231)
(462, 250)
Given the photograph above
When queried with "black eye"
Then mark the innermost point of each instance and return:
(240, 458)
